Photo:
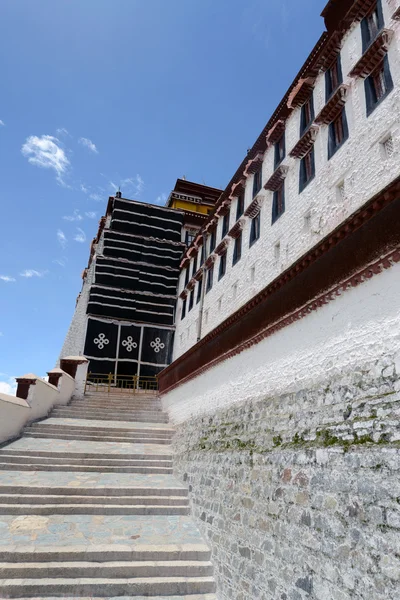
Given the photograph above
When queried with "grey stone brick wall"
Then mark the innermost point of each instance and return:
(299, 495)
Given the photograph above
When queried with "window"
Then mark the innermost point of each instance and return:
(307, 115)
(189, 237)
(183, 313)
(199, 286)
(213, 239)
(371, 25)
(225, 224)
(187, 276)
(333, 77)
(280, 151)
(191, 300)
(237, 250)
(388, 147)
(257, 182)
(194, 267)
(278, 203)
(378, 85)
(222, 266)
(240, 206)
(210, 277)
(338, 133)
(254, 229)
(202, 255)
(307, 169)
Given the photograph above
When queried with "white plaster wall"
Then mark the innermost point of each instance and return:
(41, 398)
(357, 328)
(14, 413)
(80, 380)
(360, 163)
(66, 388)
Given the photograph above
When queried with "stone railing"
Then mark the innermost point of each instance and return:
(36, 397)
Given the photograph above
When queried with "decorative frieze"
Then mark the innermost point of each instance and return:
(254, 164)
(254, 208)
(198, 275)
(184, 263)
(305, 143)
(334, 106)
(276, 131)
(276, 179)
(210, 261)
(374, 55)
(222, 247)
(333, 47)
(238, 188)
(301, 92)
(237, 228)
(183, 294)
(191, 284)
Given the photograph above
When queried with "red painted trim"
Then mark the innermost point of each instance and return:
(374, 54)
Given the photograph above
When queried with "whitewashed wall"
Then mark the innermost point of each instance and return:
(360, 163)
(359, 327)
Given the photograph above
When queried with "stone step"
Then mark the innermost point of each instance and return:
(132, 417)
(107, 553)
(83, 468)
(93, 491)
(96, 438)
(103, 500)
(86, 455)
(169, 597)
(109, 409)
(114, 569)
(140, 586)
(92, 509)
(99, 460)
(87, 427)
(155, 405)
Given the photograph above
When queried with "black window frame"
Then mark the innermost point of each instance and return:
(194, 266)
(222, 266)
(225, 224)
(305, 120)
(237, 249)
(191, 300)
(368, 33)
(187, 275)
(202, 255)
(198, 297)
(371, 98)
(307, 169)
(277, 203)
(240, 206)
(210, 278)
(280, 150)
(332, 73)
(255, 228)
(339, 124)
(257, 181)
(213, 239)
(183, 309)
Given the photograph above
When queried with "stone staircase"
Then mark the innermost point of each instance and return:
(89, 508)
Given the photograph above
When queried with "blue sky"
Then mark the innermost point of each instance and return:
(101, 93)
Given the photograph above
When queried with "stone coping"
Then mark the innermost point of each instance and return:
(14, 400)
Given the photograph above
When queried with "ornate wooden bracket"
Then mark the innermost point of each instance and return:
(301, 92)
(237, 228)
(210, 261)
(276, 132)
(333, 107)
(276, 179)
(254, 164)
(222, 247)
(374, 55)
(333, 47)
(238, 188)
(191, 284)
(254, 208)
(198, 275)
(305, 143)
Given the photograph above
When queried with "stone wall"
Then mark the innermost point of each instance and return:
(299, 494)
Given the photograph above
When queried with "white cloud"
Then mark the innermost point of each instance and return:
(84, 189)
(2, 124)
(130, 186)
(60, 261)
(7, 278)
(62, 131)
(96, 197)
(75, 217)
(80, 236)
(161, 199)
(32, 273)
(91, 214)
(89, 144)
(1, 334)
(8, 385)
(46, 152)
(62, 238)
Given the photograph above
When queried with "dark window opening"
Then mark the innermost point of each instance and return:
(257, 182)
(183, 313)
(202, 255)
(255, 229)
(307, 115)
(371, 25)
(191, 300)
(189, 237)
(222, 266)
(199, 286)
(213, 240)
(237, 250)
(307, 169)
(240, 206)
(378, 85)
(225, 224)
(210, 278)
(338, 133)
(333, 77)
(278, 203)
(187, 277)
(194, 268)
(280, 151)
